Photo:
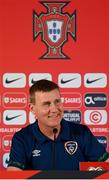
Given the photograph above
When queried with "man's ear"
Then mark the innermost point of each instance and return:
(32, 108)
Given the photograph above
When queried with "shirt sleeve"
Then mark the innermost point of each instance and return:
(94, 151)
(17, 153)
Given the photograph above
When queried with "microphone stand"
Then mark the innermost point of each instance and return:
(53, 159)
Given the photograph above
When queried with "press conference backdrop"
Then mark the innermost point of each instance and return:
(63, 41)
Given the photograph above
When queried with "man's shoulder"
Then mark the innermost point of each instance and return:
(25, 137)
(76, 127)
(26, 131)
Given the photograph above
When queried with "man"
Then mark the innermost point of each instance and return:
(51, 143)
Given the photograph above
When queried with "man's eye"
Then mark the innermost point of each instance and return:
(46, 104)
(58, 101)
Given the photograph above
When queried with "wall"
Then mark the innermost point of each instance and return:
(79, 64)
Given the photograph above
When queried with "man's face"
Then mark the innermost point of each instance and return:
(48, 108)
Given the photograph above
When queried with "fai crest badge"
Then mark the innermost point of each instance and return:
(71, 147)
(54, 27)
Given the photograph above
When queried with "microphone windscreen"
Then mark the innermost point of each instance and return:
(55, 130)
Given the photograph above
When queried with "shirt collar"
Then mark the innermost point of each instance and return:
(41, 138)
(65, 131)
(37, 133)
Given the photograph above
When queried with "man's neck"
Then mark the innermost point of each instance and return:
(48, 131)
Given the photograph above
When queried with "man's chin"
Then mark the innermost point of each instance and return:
(54, 125)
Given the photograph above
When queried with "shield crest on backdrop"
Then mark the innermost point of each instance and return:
(54, 29)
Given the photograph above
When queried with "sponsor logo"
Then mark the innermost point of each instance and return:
(14, 80)
(91, 81)
(102, 140)
(14, 117)
(95, 100)
(6, 142)
(71, 100)
(95, 169)
(71, 147)
(5, 160)
(73, 116)
(95, 117)
(69, 80)
(15, 100)
(36, 153)
(95, 80)
(54, 27)
(66, 81)
(10, 81)
(33, 77)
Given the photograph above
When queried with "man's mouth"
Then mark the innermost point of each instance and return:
(54, 116)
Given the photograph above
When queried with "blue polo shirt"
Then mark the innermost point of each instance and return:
(31, 150)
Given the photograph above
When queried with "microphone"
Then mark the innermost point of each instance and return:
(54, 132)
(53, 149)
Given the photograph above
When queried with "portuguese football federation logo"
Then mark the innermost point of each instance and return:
(54, 27)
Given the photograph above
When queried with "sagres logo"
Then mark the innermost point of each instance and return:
(13, 100)
(71, 100)
(54, 26)
(14, 117)
(95, 117)
(6, 142)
